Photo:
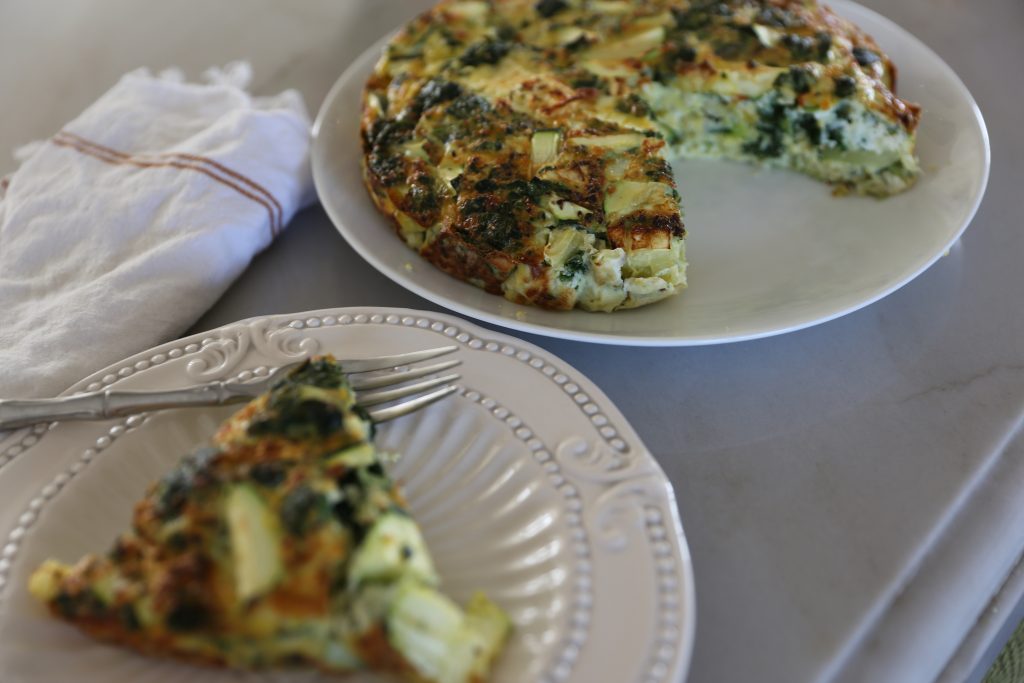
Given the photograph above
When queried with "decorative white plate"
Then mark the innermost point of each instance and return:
(529, 485)
(770, 251)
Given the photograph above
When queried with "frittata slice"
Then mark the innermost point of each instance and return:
(523, 145)
(283, 544)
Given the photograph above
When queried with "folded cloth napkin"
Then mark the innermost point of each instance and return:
(118, 232)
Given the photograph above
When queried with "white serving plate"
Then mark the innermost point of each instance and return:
(529, 484)
(770, 251)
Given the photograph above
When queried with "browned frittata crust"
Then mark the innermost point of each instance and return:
(522, 145)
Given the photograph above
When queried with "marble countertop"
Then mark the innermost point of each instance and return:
(850, 492)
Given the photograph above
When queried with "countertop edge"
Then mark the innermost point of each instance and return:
(990, 633)
(943, 591)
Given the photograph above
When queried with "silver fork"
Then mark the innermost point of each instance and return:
(374, 390)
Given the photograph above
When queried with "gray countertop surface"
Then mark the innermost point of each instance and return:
(850, 492)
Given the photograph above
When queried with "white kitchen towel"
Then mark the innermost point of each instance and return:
(118, 232)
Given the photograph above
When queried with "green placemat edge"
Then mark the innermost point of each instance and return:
(1009, 665)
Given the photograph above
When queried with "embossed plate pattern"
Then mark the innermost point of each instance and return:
(534, 490)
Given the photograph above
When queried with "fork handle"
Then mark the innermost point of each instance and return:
(107, 404)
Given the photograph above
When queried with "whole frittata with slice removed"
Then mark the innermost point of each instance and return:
(523, 145)
(283, 544)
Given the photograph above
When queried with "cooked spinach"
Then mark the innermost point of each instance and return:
(176, 487)
(771, 128)
(549, 8)
(500, 230)
(269, 473)
(776, 17)
(422, 199)
(808, 123)
(293, 416)
(844, 86)
(303, 510)
(388, 168)
(83, 603)
(485, 52)
(187, 615)
(318, 372)
(801, 48)
(434, 92)
(824, 42)
(797, 78)
(834, 132)
(864, 56)
(466, 105)
(573, 266)
(657, 169)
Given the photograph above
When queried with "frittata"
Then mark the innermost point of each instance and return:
(523, 145)
(283, 544)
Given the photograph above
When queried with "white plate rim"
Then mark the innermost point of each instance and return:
(225, 350)
(521, 323)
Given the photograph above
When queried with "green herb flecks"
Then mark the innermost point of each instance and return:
(466, 106)
(549, 8)
(319, 372)
(864, 56)
(434, 92)
(808, 123)
(844, 86)
(303, 510)
(770, 126)
(799, 79)
(293, 415)
(485, 52)
(576, 264)
(176, 487)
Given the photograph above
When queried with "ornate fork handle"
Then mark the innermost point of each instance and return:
(108, 404)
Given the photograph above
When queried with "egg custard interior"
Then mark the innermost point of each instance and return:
(523, 145)
(283, 544)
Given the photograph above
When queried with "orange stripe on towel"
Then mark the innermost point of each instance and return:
(202, 165)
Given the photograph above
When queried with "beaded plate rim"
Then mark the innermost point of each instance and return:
(620, 463)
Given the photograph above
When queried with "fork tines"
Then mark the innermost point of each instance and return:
(387, 387)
